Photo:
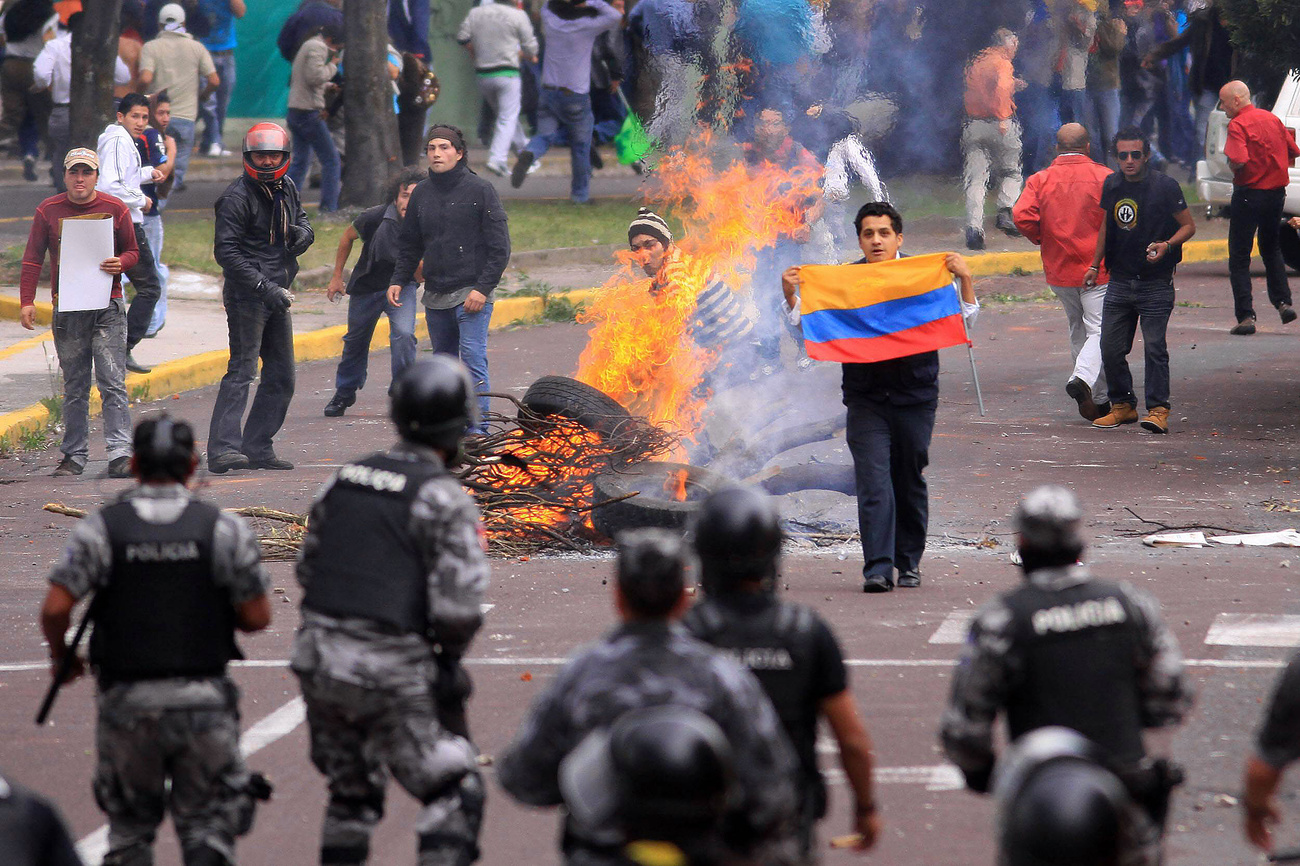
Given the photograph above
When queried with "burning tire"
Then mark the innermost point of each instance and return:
(577, 401)
(658, 487)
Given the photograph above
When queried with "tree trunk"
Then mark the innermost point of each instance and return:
(94, 55)
(369, 124)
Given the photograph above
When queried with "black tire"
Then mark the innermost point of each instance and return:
(1289, 240)
(569, 398)
(652, 506)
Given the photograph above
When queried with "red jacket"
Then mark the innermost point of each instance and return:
(1262, 145)
(1060, 210)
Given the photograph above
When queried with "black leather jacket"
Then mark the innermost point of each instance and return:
(242, 245)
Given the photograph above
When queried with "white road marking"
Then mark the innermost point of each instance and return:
(940, 777)
(1254, 629)
(954, 627)
(266, 731)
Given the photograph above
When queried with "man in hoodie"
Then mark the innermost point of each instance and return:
(121, 175)
(261, 229)
(456, 223)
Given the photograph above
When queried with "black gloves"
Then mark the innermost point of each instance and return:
(278, 299)
(978, 780)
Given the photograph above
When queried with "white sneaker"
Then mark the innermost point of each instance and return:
(498, 168)
(217, 150)
(537, 163)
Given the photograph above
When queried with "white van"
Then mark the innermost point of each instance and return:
(1214, 178)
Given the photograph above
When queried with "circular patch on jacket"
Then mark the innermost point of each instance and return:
(1126, 213)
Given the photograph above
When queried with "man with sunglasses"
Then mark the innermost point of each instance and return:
(1146, 223)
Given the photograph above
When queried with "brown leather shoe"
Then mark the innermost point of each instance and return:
(1157, 420)
(1081, 393)
(1120, 413)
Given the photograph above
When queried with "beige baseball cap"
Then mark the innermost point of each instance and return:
(81, 156)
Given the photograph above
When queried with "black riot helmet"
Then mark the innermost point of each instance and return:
(1058, 804)
(434, 403)
(737, 539)
(1050, 522)
(163, 450)
(662, 773)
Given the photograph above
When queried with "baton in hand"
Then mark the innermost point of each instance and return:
(65, 668)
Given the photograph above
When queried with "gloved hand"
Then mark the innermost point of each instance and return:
(979, 780)
(278, 299)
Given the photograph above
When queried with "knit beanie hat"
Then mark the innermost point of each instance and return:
(649, 223)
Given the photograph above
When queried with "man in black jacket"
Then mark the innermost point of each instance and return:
(891, 407)
(261, 229)
(456, 224)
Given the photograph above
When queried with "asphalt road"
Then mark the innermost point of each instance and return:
(1230, 462)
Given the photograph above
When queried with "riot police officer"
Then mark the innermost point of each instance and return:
(173, 577)
(663, 775)
(1059, 805)
(788, 647)
(649, 660)
(1277, 745)
(394, 572)
(1066, 649)
(32, 832)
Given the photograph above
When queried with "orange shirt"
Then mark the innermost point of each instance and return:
(990, 85)
(1060, 209)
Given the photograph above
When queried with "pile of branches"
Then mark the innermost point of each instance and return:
(532, 476)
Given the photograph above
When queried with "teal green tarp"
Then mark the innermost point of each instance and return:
(262, 75)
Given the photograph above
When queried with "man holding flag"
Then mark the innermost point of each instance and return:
(885, 323)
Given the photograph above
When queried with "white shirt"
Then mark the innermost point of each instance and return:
(120, 169)
(53, 68)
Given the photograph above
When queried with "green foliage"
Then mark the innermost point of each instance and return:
(1267, 30)
(139, 393)
(54, 405)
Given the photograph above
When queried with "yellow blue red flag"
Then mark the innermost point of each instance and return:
(873, 312)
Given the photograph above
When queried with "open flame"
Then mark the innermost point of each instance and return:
(640, 351)
(675, 485)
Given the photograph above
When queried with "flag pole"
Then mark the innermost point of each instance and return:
(976, 376)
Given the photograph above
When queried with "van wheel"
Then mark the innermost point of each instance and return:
(1289, 240)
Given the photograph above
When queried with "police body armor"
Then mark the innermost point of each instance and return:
(773, 639)
(1079, 645)
(161, 614)
(364, 562)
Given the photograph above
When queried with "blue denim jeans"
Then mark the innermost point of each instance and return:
(562, 109)
(1129, 302)
(363, 314)
(213, 110)
(86, 341)
(464, 335)
(153, 230)
(310, 134)
(183, 131)
(1103, 123)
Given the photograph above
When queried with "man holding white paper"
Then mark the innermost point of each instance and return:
(88, 330)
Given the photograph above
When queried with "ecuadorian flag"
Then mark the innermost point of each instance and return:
(864, 313)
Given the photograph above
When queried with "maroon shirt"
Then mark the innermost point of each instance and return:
(1258, 140)
(45, 236)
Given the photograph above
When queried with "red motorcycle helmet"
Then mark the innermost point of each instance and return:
(266, 138)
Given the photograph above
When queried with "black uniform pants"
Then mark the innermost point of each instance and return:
(1256, 211)
(891, 447)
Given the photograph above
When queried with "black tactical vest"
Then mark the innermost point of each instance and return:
(1079, 646)
(364, 562)
(161, 614)
(774, 640)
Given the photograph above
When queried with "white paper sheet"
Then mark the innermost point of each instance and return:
(83, 244)
(1284, 538)
(1175, 539)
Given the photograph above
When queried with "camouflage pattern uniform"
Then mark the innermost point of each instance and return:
(643, 664)
(370, 693)
(992, 663)
(185, 730)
